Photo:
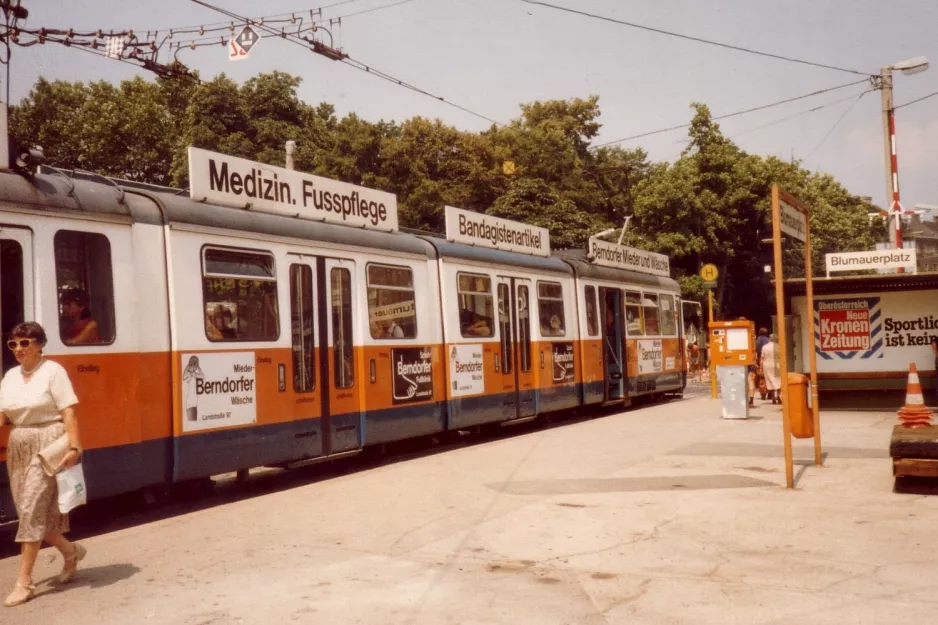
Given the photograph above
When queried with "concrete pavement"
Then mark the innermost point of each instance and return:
(664, 514)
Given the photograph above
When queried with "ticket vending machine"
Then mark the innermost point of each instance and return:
(733, 351)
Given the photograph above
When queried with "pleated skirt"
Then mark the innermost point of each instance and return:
(35, 494)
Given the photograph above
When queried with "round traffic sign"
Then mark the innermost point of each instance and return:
(709, 272)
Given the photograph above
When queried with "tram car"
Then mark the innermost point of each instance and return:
(206, 333)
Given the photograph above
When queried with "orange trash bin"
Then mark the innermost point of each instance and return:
(802, 419)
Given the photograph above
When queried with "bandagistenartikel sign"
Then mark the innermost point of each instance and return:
(241, 183)
(849, 328)
(608, 254)
(876, 259)
(464, 226)
(792, 221)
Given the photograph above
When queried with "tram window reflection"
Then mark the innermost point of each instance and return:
(475, 304)
(650, 311)
(550, 308)
(589, 294)
(392, 312)
(635, 324)
(85, 287)
(667, 315)
(239, 288)
(342, 340)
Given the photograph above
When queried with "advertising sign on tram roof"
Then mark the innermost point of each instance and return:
(616, 256)
(472, 228)
(238, 182)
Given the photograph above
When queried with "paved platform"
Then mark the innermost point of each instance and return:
(664, 514)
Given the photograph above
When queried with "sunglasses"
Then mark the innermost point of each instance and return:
(24, 343)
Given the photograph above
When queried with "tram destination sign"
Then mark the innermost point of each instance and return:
(464, 226)
(241, 183)
(616, 256)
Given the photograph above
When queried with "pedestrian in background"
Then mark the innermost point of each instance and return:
(38, 400)
(772, 369)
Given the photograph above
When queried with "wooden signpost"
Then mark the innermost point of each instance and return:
(710, 273)
(791, 217)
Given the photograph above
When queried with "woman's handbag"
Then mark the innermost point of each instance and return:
(72, 490)
(50, 456)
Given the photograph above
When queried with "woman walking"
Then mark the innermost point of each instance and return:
(38, 399)
(771, 368)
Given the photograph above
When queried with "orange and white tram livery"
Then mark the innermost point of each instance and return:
(273, 317)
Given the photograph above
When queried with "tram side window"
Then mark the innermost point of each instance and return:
(589, 294)
(85, 288)
(504, 323)
(301, 324)
(550, 308)
(239, 289)
(650, 309)
(392, 312)
(475, 304)
(667, 315)
(635, 324)
(524, 326)
(11, 294)
(342, 346)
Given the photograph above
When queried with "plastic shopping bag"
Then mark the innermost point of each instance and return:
(72, 489)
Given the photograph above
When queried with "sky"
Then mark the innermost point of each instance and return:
(490, 56)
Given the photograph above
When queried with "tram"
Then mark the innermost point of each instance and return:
(237, 326)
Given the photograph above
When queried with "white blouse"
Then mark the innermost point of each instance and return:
(39, 401)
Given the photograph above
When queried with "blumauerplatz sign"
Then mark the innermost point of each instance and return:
(875, 259)
(616, 256)
(238, 182)
(472, 228)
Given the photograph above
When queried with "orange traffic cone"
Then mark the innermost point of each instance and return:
(914, 414)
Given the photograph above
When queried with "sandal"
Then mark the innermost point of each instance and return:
(20, 595)
(68, 573)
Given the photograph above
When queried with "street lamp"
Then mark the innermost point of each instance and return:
(908, 67)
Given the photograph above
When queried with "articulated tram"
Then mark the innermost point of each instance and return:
(231, 336)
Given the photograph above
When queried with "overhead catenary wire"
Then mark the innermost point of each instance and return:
(930, 95)
(352, 62)
(266, 18)
(796, 115)
(737, 113)
(834, 127)
(710, 42)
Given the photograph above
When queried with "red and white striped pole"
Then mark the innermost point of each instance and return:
(896, 207)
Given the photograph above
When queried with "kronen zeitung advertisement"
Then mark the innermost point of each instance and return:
(872, 332)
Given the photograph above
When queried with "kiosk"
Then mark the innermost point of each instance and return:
(733, 349)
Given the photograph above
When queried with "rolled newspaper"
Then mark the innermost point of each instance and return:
(51, 455)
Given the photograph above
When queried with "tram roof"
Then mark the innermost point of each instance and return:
(585, 269)
(473, 253)
(92, 193)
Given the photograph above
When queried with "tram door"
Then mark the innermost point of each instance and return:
(613, 353)
(324, 375)
(16, 284)
(514, 357)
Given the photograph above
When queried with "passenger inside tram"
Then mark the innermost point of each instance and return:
(218, 324)
(78, 325)
(475, 324)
